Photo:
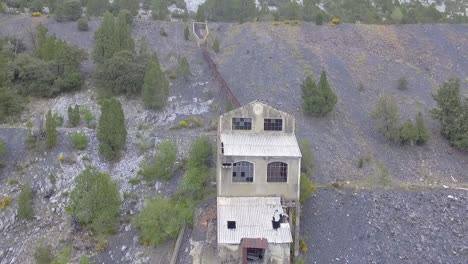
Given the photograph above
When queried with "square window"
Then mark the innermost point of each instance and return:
(231, 224)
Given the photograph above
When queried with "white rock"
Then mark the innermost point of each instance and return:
(123, 248)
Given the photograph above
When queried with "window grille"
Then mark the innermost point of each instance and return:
(277, 172)
(273, 124)
(241, 123)
(242, 171)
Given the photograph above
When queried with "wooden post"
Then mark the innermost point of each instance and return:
(296, 230)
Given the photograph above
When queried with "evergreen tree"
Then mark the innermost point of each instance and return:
(159, 9)
(200, 16)
(408, 133)
(95, 201)
(387, 117)
(68, 10)
(317, 99)
(121, 74)
(186, 33)
(422, 133)
(51, 130)
(452, 113)
(4, 77)
(130, 5)
(97, 7)
(113, 36)
(112, 133)
(155, 86)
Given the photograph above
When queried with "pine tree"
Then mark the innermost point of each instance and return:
(130, 5)
(155, 86)
(387, 117)
(159, 9)
(318, 99)
(113, 36)
(408, 133)
(112, 133)
(329, 97)
(97, 7)
(51, 130)
(309, 89)
(422, 133)
(200, 16)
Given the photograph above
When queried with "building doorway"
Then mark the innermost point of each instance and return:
(253, 250)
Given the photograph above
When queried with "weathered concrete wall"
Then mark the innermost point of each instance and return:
(257, 111)
(259, 187)
(275, 254)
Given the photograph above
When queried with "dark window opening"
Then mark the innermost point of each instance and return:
(242, 171)
(227, 165)
(255, 254)
(222, 147)
(240, 123)
(273, 124)
(277, 172)
(231, 224)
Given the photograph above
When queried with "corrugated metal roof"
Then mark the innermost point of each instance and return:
(263, 145)
(253, 217)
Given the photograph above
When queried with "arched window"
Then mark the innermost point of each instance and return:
(277, 172)
(242, 171)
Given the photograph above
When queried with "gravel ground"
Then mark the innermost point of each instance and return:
(386, 226)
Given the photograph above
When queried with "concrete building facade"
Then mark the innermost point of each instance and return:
(258, 172)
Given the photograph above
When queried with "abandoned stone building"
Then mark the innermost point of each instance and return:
(258, 176)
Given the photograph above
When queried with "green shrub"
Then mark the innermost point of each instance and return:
(2, 148)
(183, 68)
(58, 120)
(197, 171)
(52, 178)
(11, 104)
(5, 201)
(36, 14)
(89, 118)
(191, 122)
(307, 161)
(84, 260)
(186, 33)
(163, 166)
(276, 23)
(162, 32)
(64, 256)
(307, 189)
(51, 130)
(303, 246)
(43, 253)
(408, 133)
(96, 207)
(68, 10)
(287, 22)
(74, 116)
(173, 75)
(12, 181)
(25, 203)
(83, 24)
(319, 19)
(161, 219)
(386, 115)
(422, 133)
(402, 84)
(79, 141)
(182, 123)
(134, 181)
(335, 21)
(215, 45)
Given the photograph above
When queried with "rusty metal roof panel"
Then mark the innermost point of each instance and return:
(260, 145)
(253, 216)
